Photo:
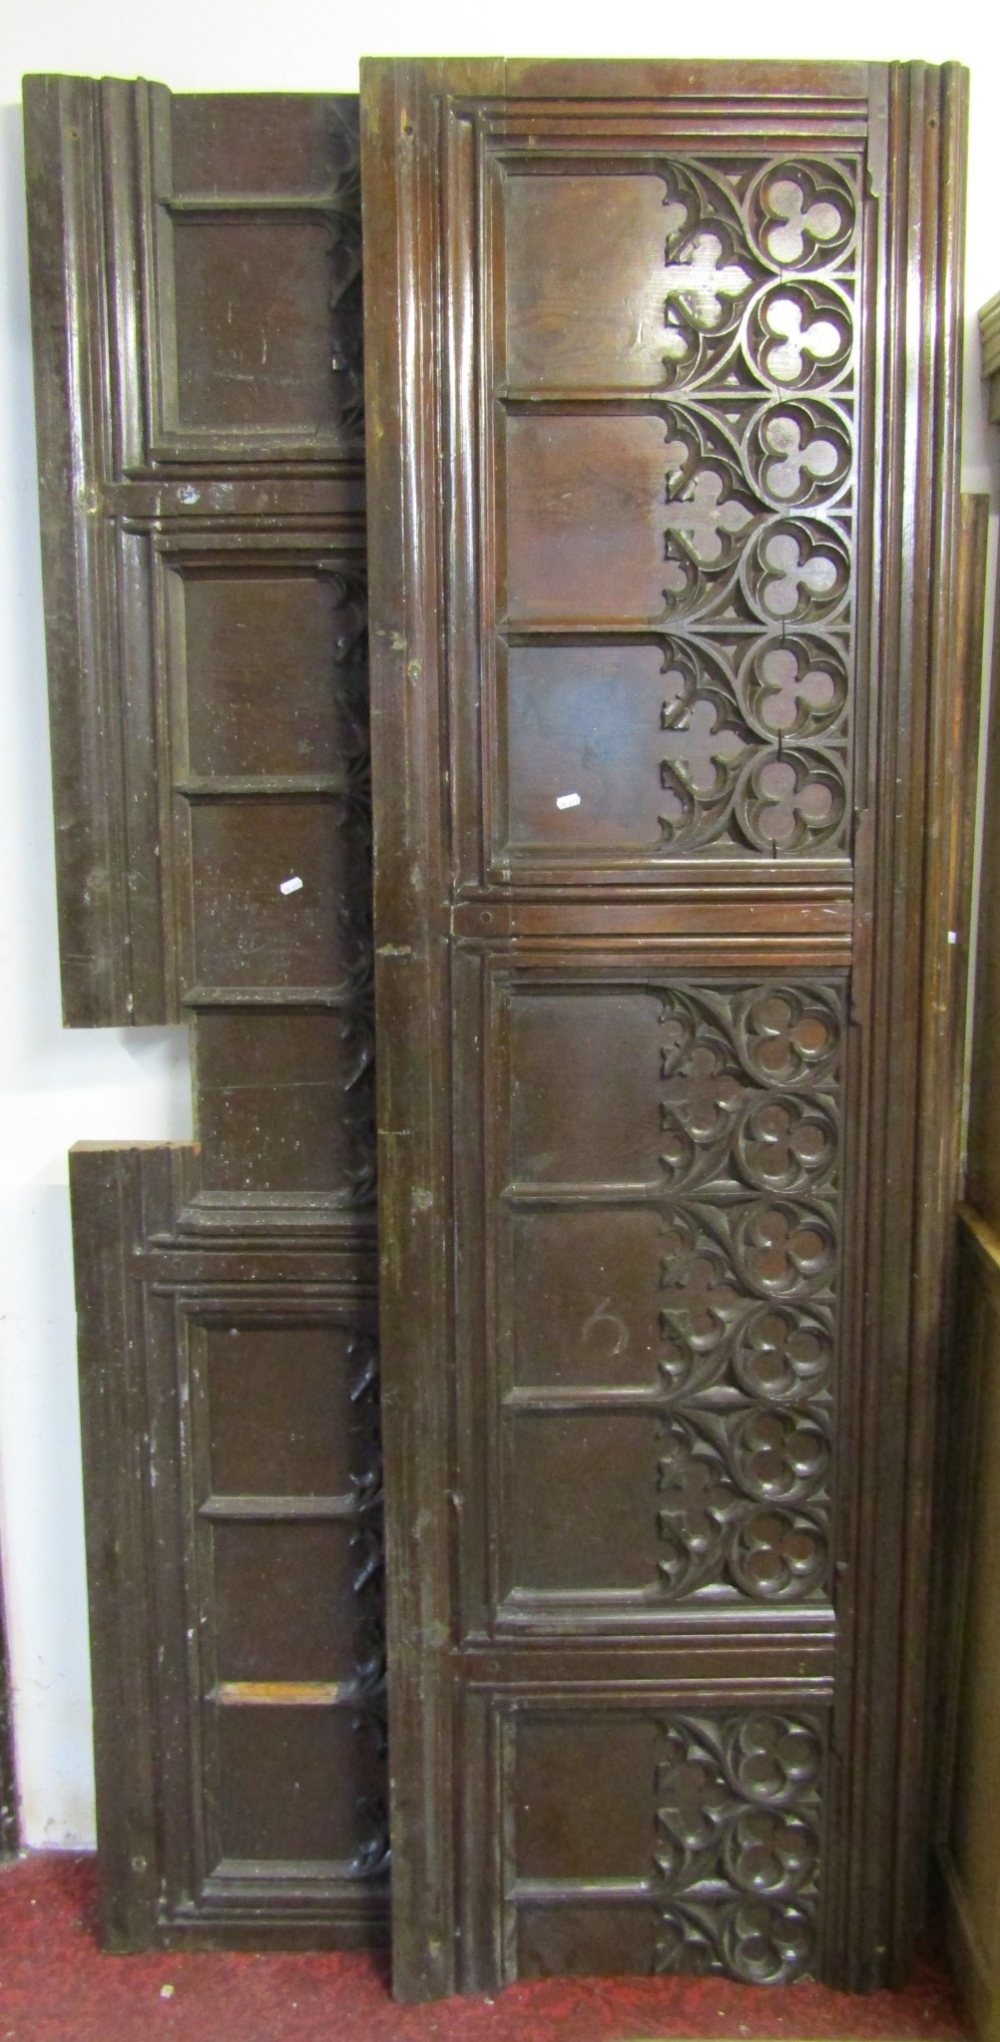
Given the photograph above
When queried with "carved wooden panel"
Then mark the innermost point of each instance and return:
(196, 288)
(657, 700)
(664, 1842)
(664, 1323)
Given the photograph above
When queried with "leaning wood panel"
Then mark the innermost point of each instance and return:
(196, 283)
(968, 1853)
(230, 1423)
(664, 699)
(967, 1826)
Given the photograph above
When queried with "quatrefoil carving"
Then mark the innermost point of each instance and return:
(794, 801)
(793, 687)
(778, 1555)
(786, 1251)
(698, 1498)
(789, 1038)
(802, 214)
(791, 573)
(780, 1454)
(799, 335)
(796, 222)
(702, 750)
(780, 1353)
(797, 571)
(698, 1087)
(785, 1145)
(799, 453)
(792, 339)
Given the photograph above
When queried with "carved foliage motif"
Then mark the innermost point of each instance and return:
(737, 1845)
(749, 1112)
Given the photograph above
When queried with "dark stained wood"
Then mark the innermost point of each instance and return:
(983, 1180)
(967, 1846)
(196, 287)
(230, 1425)
(667, 732)
(945, 1067)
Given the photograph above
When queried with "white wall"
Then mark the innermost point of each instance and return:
(60, 1087)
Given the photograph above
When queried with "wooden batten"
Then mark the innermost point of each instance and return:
(989, 334)
(968, 1825)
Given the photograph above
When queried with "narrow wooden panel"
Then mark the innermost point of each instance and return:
(665, 691)
(219, 1391)
(968, 1810)
(197, 293)
(966, 1801)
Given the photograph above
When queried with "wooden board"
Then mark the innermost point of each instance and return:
(667, 725)
(196, 303)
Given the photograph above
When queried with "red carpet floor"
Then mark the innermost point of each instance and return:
(54, 1983)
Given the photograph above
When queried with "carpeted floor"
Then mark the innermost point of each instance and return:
(55, 1983)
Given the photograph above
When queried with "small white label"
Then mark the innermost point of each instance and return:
(291, 886)
(567, 801)
(953, 935)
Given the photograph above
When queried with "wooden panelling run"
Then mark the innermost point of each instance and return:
(969, 1843)
(196, 294)
(968, 1808)
(667, 691)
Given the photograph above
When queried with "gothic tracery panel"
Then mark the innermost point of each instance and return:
(674, 1236)
(718, 536)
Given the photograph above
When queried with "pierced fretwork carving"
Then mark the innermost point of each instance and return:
(730, 773)
(737, 1843)
(749, 1108)
(344, 255)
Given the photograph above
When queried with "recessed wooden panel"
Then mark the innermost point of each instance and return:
(320, 1065)
(599, 1940)
(662, 746)
(676, 450)
(582, 1313)
(580, 1792)
(579, 1103)
(266, 362)
(584, 744)
(262, 655)
(248, 932)
(584, 519)
(279, 1408)
(269, 1622)
(297, 1786)
(723, 1102)
(572, 229)
(579, 1516)
(284, 149)
(732, 1819)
